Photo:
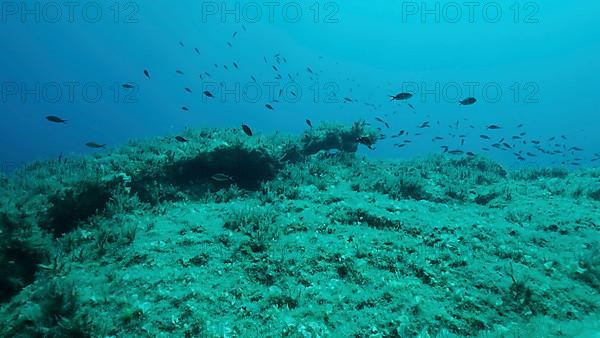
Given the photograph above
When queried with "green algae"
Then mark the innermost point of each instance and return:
(140, 241)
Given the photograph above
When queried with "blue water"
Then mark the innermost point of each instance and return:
(543, 59)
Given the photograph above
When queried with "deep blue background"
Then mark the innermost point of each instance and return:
(361, 50)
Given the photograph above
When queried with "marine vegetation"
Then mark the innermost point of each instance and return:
(232, 233)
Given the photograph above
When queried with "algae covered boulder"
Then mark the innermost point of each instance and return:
(238, 164)
(334, 136)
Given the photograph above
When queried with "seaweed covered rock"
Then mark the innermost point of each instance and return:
(46, 200)
(246, 167)
(71, 206)
(333, 136)
(163, 169)
(144, 237)
(23, 247)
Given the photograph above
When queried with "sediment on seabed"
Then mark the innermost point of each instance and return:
(272, 235)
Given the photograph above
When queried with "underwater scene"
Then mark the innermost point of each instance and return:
(299, 169)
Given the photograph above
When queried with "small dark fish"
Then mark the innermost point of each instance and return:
(181, 139)
(270, 107)
(147, 73)
(181, 44)
(128, 86)
(275, 68)
(229, 44)
(347, 99)
(179, 72)
(236, 66)
(95, 145)
(379, 119)
(411, 106)
(456, 152)
(253, 78)
(225, 66)
(184, 108)
(309, 123)
(221, 178)
(247, 130)
(234, 34)
(309, 70)
(468, 101)
(469, 153)
(209, 94)
(485, 137)
(188, 90)
(493, 126)
(55, 119)
(401, 96)
(197, 51)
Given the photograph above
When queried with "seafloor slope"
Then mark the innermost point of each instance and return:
(145, 240)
